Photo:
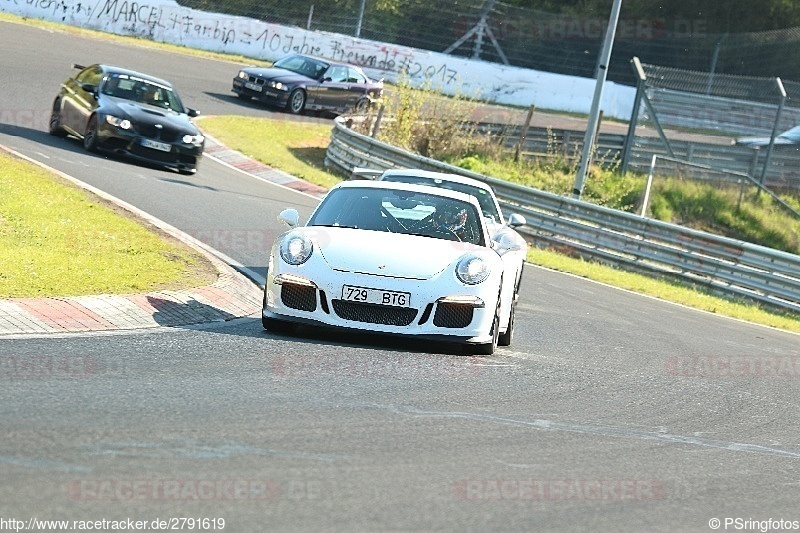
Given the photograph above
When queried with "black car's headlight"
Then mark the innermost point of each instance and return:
(296, 248)
(122, 123)
(278, 86)
(242, 74)
(472, 269)
(193, 139)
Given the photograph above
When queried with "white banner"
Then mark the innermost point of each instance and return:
(166, 21)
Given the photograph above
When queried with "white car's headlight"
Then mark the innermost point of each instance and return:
(123, 123)
(296, 248)
(193, 139)
(472, 269)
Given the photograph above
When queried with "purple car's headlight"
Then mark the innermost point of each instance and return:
(296, 248)
(472, 269)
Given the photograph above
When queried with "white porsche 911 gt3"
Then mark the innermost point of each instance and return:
(393, 258)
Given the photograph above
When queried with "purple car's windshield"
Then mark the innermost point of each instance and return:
(399, 211)
(306, 66)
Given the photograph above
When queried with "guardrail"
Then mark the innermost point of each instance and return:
(636, 243)
(783, 171)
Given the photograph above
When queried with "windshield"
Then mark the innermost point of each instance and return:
(141, 91)
(397, 211)
(483, 196)
(306, 66)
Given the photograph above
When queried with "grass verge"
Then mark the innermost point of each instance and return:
(59, 240)
(292, 146)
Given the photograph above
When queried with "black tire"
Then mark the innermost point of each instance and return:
(297, 102)
(504, 339)
(90, 136)
(54, 127)
(187, 171)
(362, 106)
(489, 347)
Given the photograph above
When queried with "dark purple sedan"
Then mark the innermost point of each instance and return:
(299, 83)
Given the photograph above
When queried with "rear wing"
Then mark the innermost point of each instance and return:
(365, 174)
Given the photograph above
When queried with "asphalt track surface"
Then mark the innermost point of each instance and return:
(610, 412)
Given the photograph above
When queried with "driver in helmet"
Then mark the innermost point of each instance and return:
(152, 95)
(451, 219)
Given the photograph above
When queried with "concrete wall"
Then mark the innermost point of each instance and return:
(166, 21)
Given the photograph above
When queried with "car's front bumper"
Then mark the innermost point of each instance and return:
(440, 309)
(261, 93)
(180, 156)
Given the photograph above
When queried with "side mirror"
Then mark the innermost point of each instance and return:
(515, 221)
(89, 88)
(326, 80)
(290, 217)
(192, 112)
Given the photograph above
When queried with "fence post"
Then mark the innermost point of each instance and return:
(524, 132)
(376, 128)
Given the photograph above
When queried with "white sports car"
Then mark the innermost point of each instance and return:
(393, 258)
(512, 246)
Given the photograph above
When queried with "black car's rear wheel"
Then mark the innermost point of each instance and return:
(90, 136)
(297, 101)
(54, 128)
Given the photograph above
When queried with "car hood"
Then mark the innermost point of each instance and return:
(278, 74)
(145, 114)
(386, 254)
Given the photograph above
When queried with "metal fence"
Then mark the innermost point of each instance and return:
(728, 266)
(783, 171)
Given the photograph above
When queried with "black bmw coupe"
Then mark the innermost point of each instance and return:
(128, 113)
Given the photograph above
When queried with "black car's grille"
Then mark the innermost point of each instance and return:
(164, 134)
(301, 297)
(449, 315)
(374, 314)
(253, 79)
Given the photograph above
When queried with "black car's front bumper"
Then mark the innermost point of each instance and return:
(180, 156)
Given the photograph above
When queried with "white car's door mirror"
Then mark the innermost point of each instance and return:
(516, 220)
(290, 217)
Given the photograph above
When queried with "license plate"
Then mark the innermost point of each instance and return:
(155, 145)
(253, 86)
(376, 296)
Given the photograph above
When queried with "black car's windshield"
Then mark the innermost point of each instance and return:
(483, 196)
(398, 211)
(142, 91)
(306, 66)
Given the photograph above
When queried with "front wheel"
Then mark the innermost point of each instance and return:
(90, 136)
(505, 338)
(54, 128)
(297, 102)
(489, 347)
